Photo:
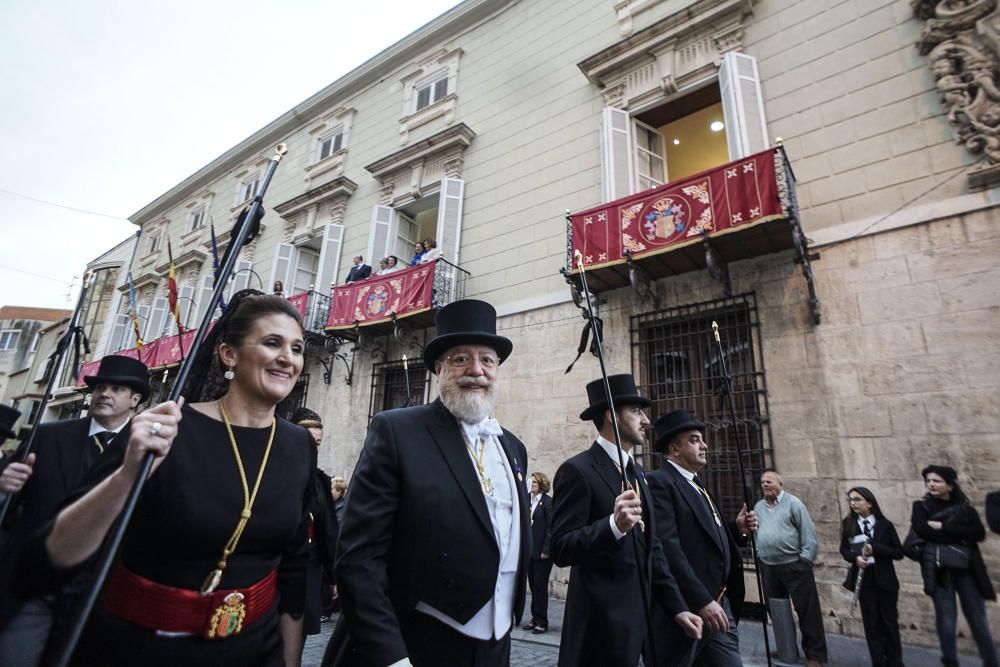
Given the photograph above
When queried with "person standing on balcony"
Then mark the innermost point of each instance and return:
(435, 543)
(431, 251)
(418, 253)
(63, 453)
(359, 271)
(786, 546)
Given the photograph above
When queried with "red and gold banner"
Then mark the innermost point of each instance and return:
(404, 292)
(726, 199)
(156, 354)
(301, 302)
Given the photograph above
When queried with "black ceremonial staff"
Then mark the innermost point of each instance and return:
(741, 451)
(71, 339)
(242, 232)
(598, 348)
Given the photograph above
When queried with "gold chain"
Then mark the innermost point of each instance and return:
(215, 577)
(484, 481)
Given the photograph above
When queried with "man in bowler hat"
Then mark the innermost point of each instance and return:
(701, 546)
(63, 452)
(605, 619)
(434, 545)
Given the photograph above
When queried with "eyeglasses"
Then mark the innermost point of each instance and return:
(462, 360)
(854, 500)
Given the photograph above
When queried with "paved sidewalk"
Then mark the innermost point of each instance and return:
(530, 650)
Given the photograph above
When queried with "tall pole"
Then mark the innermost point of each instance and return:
(118, 529)
(599, 347)
(747, 498)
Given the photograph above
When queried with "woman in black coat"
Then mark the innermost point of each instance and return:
(541, 563)
(951, 562)
(869, 542)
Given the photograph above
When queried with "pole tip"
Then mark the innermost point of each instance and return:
(279, 151)
(579, 258)
(715, 330)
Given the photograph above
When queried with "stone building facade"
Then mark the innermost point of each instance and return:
(485, 126)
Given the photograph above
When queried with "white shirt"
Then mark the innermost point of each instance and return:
(534, 503)
(96, 428)
(871, 528)
(495, 618)
(612, 451)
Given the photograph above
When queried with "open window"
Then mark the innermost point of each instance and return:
(310, 265)
(437, 216)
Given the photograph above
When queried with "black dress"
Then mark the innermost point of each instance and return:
(187, 512)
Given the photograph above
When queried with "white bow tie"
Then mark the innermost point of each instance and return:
(483, 429)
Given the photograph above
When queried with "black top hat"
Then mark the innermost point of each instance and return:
(306, 417)
(669, 425)
(623, 392)
(8, 416)
(466, 322)
(126, 371)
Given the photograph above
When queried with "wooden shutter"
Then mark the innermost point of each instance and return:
(204, 300)
(449, 222)
(380, 235)
(155, 325)
(742, 105)
(117, 341)
(329, 258)
(616, 154)
(283, 254)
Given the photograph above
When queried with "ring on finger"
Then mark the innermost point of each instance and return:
(155, 428)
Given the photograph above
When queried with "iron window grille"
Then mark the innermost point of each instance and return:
(675, 362)
(391, 389)
(296, 398)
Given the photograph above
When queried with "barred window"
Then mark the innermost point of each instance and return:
(676, 363)
(398, 385)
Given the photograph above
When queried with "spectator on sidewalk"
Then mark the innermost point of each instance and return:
(951, 563)
(786, 546)
(869, 542)
(541, 564)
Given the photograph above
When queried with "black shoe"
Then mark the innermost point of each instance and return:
(529, 626)
(539, 629)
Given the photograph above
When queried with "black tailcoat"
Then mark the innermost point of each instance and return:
(541, 527)
(604, 623)
(416, 529)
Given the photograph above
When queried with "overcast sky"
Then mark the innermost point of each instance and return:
(107, 105)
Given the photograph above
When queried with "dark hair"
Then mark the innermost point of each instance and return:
(950, 477)
(846, 526)
(205, 382)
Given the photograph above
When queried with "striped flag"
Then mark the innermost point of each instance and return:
(132, 312)
(172, 289)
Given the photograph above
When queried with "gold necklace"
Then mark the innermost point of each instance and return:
(215, 576)
(485, 481)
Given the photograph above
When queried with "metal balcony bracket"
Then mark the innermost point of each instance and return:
(405, 336)
(718, 267)
(641, 283)
(804, 258)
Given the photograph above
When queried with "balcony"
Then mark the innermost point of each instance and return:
(741, 209)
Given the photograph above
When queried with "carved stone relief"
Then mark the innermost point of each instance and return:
(960, 38)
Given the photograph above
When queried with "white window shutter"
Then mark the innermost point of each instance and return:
(204, 300)
(449, 222)
(406, 233)
(117, 339)
(155, 325)
(742, 105)
(143, 314)
(185, 299)
(381, 233)
(283, 254)
(616, 154)
(241, 278)
(329, 257)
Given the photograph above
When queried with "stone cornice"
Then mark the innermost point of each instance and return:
(452, 139)
(338, 187)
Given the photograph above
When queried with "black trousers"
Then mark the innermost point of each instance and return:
(431, 643)
(538, 582)
(796, 581)
(881, 620)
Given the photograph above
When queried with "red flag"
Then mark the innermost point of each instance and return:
(172, 290)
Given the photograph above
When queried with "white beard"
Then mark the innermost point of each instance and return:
(468, 406)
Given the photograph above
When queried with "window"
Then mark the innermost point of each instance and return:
(248, 188)
(675, 360)
(438, 216)
(397, 384)
(306, 265)
(296, 398)
(9, 339)
(33, 412)
(196, 219)
(34, 342)
(329, 144)
(431, 91)
(153, 243)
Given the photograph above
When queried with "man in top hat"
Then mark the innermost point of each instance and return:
(605, 621)
(701, 546)
(63, 452)
(322, 531)
(434, 545)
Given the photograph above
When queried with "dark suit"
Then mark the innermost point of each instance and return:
(703, 556)
(879, 591)
(358, 272)
(541, 568)
(416, 528)
(604, 623)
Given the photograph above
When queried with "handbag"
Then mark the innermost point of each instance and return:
(913, 546)
(953, 556)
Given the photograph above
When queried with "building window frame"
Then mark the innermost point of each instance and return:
(248, 188)
(389, 385)
(329, 143)
(441, 99)
(9, 338)
(196, 218)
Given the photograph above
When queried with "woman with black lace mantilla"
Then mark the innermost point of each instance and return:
(212, 566)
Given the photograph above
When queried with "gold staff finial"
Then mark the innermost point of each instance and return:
(279, 152)
(579, 259)
(715, 331)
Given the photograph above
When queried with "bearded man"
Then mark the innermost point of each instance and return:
(434, 545)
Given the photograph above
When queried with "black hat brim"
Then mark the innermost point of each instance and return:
(125, 381)
(598, 408)
(663, 440)
(442, 344)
